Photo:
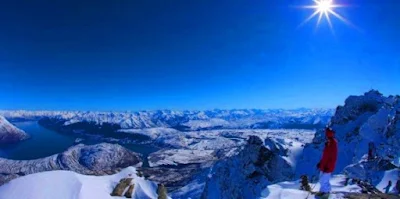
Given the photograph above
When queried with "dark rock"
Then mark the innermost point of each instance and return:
(370, 196)
(121, 186)
(128, 193)
(161, 192)
(305, 184)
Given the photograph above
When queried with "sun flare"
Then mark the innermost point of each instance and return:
(324, 8)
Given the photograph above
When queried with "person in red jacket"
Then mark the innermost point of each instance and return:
(328, 162)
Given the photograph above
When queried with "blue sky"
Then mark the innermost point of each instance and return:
(136, 55)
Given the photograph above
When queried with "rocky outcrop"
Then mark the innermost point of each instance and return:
(96, 159)
(129, 193)
(246, 174)
(172, 177)
(161, 192)
(369, 119)
(121, 187)
(9, 133)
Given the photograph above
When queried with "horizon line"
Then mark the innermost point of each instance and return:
(182, 110)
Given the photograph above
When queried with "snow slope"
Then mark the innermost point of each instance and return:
(291, 189)
(70, 185)
(390, 175)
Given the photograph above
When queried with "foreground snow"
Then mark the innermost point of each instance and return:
(291, 189)
(391, 175)
(285, 190)
(68, 185)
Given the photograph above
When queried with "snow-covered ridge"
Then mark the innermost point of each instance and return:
(187, 120)
(68, 184)
(96, 159)
(9, 133)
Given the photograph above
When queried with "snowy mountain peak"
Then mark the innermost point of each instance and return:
(187, 120)
(246, 174)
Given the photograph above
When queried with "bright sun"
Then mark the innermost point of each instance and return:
(324, 8)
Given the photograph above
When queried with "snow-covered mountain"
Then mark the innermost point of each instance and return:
(228, 154)
(9, 133)
(187, 120)
(96, 159)
(369, 118)
(68, 185)
(248, 173)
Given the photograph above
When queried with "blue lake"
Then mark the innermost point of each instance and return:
(45, 142)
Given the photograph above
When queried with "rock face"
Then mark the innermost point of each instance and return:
(369, 119)
(247, 174)
(9, 133)
(96, 159)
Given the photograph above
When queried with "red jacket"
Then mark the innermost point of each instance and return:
(329, 156)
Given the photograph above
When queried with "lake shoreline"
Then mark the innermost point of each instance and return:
(45, 142)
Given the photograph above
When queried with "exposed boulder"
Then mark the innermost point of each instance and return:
(9, 133)
(128, 193)
(121, 186)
